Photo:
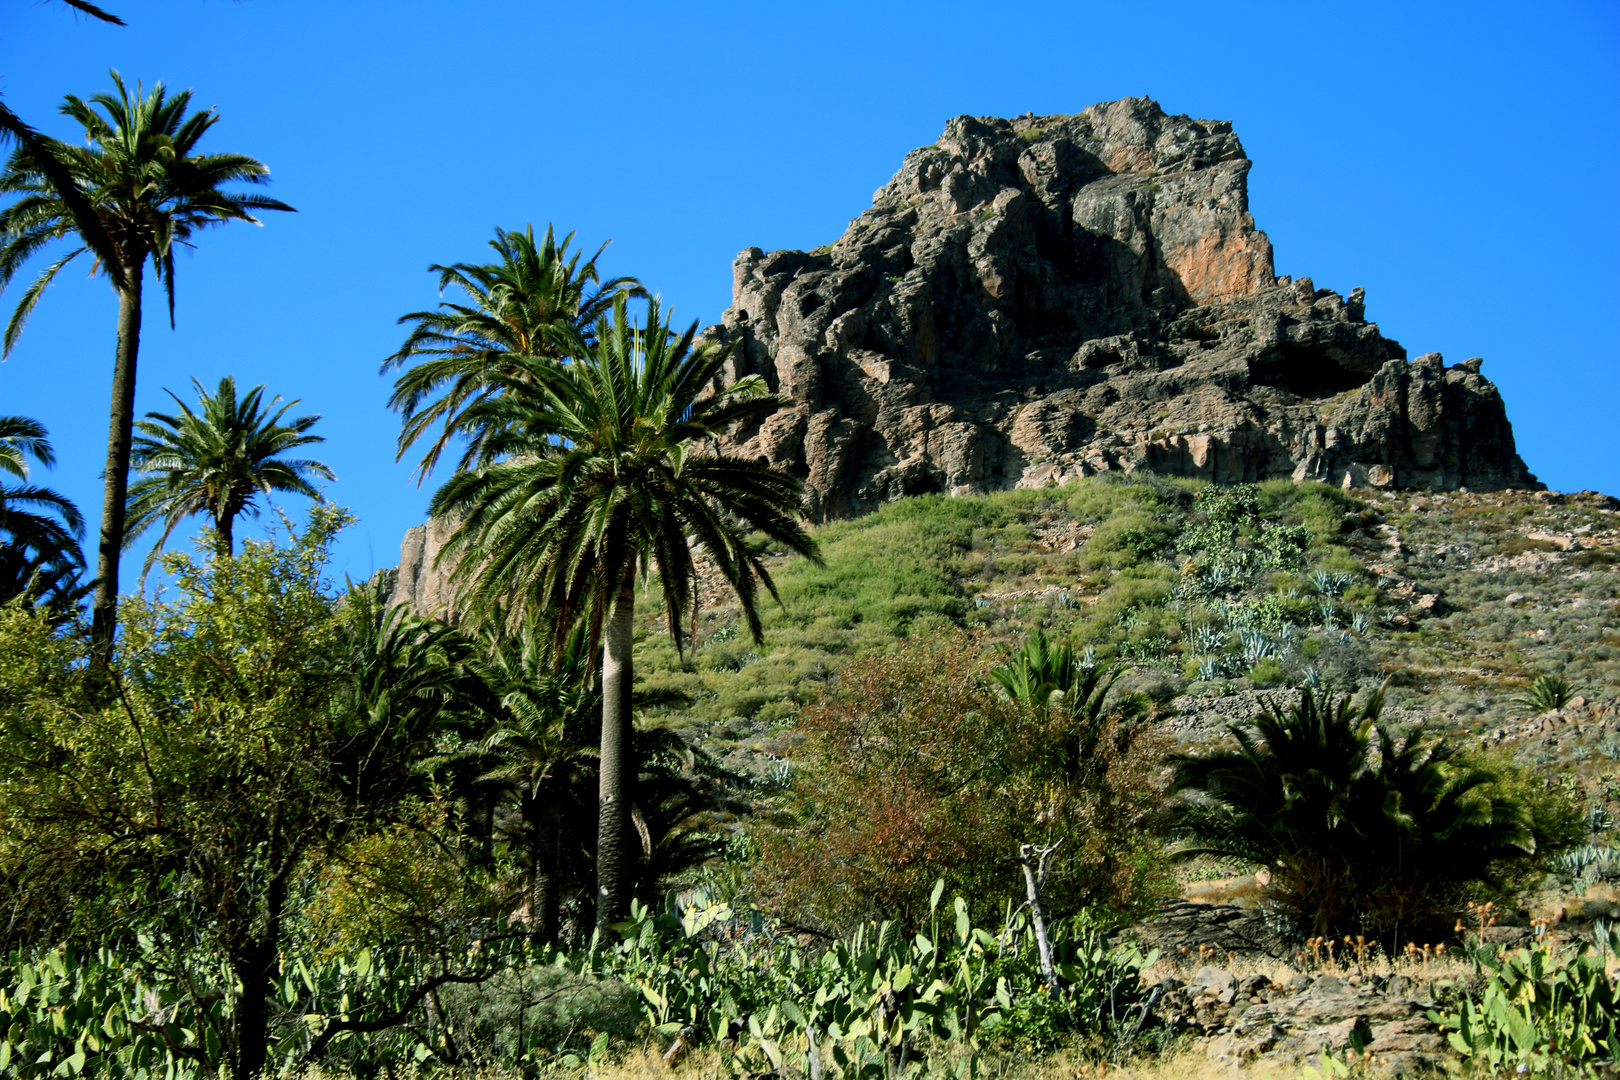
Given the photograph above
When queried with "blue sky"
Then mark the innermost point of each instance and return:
(1457, 160)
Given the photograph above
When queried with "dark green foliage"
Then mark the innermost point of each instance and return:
(520, 309)
(40, 530)
(1364, 827)
(216, 461)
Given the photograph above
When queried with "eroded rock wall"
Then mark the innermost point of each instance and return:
(1038, 299)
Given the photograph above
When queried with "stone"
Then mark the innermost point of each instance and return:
(1215, 980)
(1034, 300)
(1293, 1027)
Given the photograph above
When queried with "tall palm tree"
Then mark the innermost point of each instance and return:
(465, 353)
(151, 191)
(594, 475)
(217, 462)
(39, 529)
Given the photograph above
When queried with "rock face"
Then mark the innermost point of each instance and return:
(1038, 299)
(418, 583)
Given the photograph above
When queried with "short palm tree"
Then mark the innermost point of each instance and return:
(39, 529)
(1362, 827)
(463, 353)
(151, 192)
(594, 475)
(1548, 693)
(217, 461)
(534, 749)
(1052, 677)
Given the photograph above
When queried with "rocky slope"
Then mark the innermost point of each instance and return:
(1037, 299)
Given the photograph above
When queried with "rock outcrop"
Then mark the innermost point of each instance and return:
(1038, 299)
(418, 583)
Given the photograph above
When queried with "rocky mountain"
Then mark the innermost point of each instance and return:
(1037, 299)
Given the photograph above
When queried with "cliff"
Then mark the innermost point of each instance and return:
(1037, 299)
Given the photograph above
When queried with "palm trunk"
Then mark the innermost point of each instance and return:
(225, 543)
(540, 831)
(115, 481)
(613, 803)
(543, 900)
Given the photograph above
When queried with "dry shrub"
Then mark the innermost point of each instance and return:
(920, 770)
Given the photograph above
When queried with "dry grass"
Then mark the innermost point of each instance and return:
(1187, 1063)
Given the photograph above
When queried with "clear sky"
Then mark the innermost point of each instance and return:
(1458, 160)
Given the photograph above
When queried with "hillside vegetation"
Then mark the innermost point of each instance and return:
(1459, 601)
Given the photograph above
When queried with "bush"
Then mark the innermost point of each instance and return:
(1128, 539)
(1268, 673)
(917, 770)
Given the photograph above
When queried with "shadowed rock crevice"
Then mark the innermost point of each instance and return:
(1037, 299)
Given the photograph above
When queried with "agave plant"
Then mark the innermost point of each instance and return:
(1256, 645)
(1331, 583)
(1548, 693)
(1207, 641)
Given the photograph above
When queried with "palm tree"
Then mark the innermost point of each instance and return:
(1362, 826)
(534, 750)
(465, 353)
(151, 192)
(1054, 678)
(216, 462)
(594, 475)
(1548, 693)
(39, 529)
(85, 222)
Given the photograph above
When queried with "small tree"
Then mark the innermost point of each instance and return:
(258, 730)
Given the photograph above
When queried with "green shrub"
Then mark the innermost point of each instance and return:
(1127, 539)
(1268, 673)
